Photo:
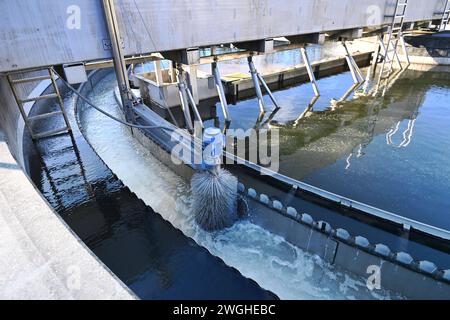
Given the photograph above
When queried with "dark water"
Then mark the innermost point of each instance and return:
(407, 173)
(353, 149)
(149, 255)
(157, 261)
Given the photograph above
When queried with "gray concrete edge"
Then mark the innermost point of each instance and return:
(42, 258)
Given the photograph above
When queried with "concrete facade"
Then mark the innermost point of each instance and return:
(71, 31)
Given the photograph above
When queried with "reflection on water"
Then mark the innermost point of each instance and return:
(268, 259)
(390, 152)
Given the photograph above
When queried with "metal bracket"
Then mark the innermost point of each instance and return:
(187, 100)
(107, 44)
(220, 91)
(254, 74)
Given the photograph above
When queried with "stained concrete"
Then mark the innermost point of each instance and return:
(41, 258)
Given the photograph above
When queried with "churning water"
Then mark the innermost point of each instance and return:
(390, 152)
(268, 259)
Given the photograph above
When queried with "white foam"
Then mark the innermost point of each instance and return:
(264, 257)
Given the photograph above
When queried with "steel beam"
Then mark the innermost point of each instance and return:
(353, 66)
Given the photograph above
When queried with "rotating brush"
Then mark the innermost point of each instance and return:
(213, 188)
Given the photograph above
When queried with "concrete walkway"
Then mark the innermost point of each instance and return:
(40, 257)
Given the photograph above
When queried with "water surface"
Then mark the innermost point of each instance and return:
(390, 152)
(258, 254)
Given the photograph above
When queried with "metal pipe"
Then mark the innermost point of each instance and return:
(261, 79)
(311, 75)
(184, 102)
(192, 81)
(220, 91)
(118, 57)
(254, 74)
(194, 107)
(375, 58)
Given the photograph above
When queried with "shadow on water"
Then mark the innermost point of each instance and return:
(155, 259)
(149, 255)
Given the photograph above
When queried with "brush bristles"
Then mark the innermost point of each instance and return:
(214, 199)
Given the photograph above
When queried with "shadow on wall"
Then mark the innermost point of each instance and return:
(436, 44)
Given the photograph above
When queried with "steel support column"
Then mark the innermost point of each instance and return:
(259, 95)
(220, 91)
(353, 66)
(310, 71)
(118, 57)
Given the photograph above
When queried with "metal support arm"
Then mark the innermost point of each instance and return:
(310, 71)
(187, 99)
(257, 81)
(184, 100)
(220, 91)
(259, 95)
(353, 66)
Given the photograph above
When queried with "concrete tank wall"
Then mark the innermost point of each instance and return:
(399, 272)
(37, 264)
(10, 120)
(428, 51)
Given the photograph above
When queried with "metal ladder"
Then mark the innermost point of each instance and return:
(395, 36)
(445, 16)
(55, 95)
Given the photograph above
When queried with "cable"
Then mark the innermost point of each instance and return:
(86, 100)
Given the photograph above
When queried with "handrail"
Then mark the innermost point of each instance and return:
(407, 223)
